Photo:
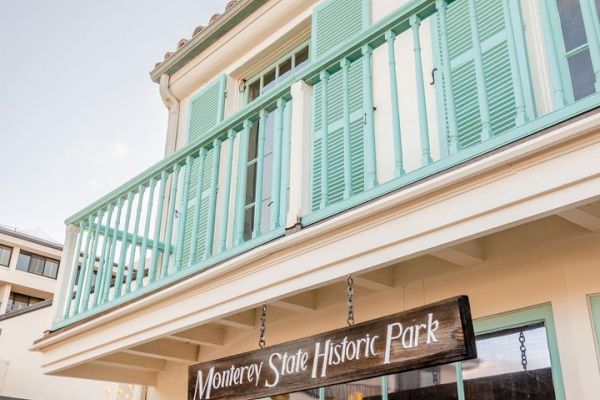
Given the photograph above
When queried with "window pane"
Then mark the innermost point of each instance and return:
(265, 216)
(285, 69)
(571, 21)
(253, 141)
(5, 253)
(302, 57)
(249, 223)
(267, 175)
(23, 262)
(254, 90)
(36, 265)
(359, 390)
(582, 74)
(51, 268)
(269, 81)
(251, 184)
(498, 372)
(425, 384)
(269, 132)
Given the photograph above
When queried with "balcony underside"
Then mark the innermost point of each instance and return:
(539, 194)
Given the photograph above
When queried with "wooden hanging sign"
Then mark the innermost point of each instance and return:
(423, 337)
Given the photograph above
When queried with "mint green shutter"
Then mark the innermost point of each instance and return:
(206, 111)
(334, 22)
(496, 60)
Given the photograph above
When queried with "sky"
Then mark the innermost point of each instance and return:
(79, 114)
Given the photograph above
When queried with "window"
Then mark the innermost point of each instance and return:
(506, 344)
(277, 72)
(265, 197)
(595, 307)
(5, 253)
(17, 301)
(36, 264)
(576, 48)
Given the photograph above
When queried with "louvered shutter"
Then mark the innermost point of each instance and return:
(206, 111)
(333, 23)
(496, 59)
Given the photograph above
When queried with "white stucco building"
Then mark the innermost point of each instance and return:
(426, 148)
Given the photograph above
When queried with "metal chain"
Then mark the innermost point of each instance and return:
(350, 291)
(263, 327)
(523, 350)
(436, 378)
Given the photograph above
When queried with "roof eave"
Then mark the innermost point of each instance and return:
(197, 44)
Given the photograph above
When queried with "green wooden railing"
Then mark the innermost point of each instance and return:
(185, 214)
(190, 211)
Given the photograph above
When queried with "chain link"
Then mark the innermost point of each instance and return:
(350, 291)
(523, 350)
(436, 378)
(263, 327)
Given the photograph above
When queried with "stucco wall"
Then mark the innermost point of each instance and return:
(21, 374)
(519, 274)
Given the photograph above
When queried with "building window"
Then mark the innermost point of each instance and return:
(595, 308)
(5, 253)
(576, 48)
(251, 201)
(271, 76)
(17, 301)
(517, 360)
(38, 265)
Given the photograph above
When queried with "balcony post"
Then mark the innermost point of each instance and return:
(66, 271)
(300, 153)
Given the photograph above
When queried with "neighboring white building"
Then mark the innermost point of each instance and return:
(28, 269)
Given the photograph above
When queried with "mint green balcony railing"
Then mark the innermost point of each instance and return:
(439, 83)
(442, 83)
(184, 214)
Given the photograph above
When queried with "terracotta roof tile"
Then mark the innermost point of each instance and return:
(199, 29)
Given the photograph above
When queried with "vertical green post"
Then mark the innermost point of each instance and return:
(103, 265)
(184, 210)
(514, 66)
(345, 64)
(227, 192)
(170, 220)
(111, 253)
(324, 140)
(460, 384)
(134, 239)
(384, 388)
(83, 269)
(73, 272)
(321, 393)
(276, 183)
(558, 90)
(123, 254)
(212, 205)
(415, 24)
(240, 206)
(442, 7)
(390, 38)
(260, 162)
(484, 108)
(89, 278)
(370, 149)
(139, 279)
(197, 207)
(157, 227)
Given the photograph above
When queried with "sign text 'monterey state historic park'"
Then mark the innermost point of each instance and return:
(435, 334)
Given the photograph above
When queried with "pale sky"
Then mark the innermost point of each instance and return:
(79, 114)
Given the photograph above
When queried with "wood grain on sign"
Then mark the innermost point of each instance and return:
(423, 337)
